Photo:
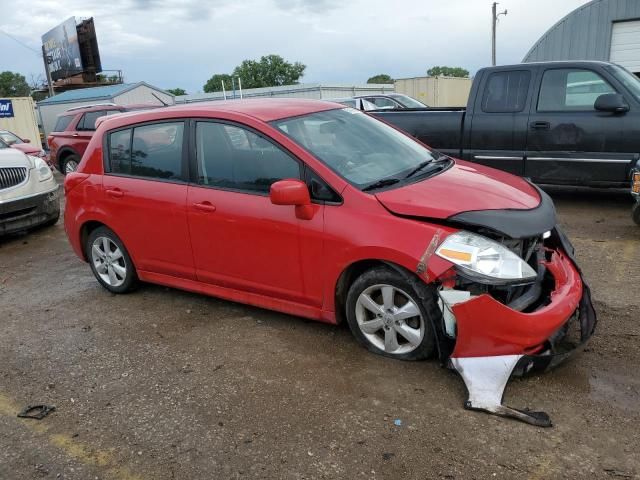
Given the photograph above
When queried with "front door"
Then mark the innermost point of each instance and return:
(498, 131)
(570, 141)
(145, 195)
(240, 239)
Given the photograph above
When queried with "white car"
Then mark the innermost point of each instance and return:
(29, 194)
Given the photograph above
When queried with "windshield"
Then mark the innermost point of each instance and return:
(407, 101)
(9, 137)
(628, 79)
(358, 147)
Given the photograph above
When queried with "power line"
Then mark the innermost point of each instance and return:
(37, 52)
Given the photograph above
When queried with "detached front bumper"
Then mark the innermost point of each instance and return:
(494, 342)
(29, 211)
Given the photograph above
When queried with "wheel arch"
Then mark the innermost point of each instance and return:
(62, 154)
(352, 271)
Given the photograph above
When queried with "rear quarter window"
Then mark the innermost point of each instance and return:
(62, 123)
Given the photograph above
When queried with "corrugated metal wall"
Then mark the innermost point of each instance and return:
(436, 91)
(314, 91)
(584, 34)
(24, 122)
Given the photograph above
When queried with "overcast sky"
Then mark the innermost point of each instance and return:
(181, 43)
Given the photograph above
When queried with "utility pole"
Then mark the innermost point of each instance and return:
(47, 61)
(494, 20)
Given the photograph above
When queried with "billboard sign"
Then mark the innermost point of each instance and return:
(63, 50)
(6, 109)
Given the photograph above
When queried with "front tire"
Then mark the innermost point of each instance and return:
(110, 261)
(389, 314)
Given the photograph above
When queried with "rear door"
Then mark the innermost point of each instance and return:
(145, 194)
(569, 141)
(497, 132)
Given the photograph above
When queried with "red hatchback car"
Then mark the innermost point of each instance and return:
(321, 211)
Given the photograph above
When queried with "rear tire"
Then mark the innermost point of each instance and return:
(391, 315)
(69, 164)
(110, 261)
(635, 213)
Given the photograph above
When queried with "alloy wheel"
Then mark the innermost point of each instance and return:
(390, 319)
(108, 261)
(70, 166)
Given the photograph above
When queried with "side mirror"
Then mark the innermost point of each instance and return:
(293, 192)
(26, 140)
(611, 102)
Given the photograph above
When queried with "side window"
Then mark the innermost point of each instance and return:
(62, 123)
(156, 151)
(506, 92)
(571, 90)
(120, 151)
(151, 151)
(233, 157)
(382, 102)
(319, 189)
(88, 120)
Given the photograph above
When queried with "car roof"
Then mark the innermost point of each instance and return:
(266, 110)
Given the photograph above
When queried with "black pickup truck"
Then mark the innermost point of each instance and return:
(571, 123)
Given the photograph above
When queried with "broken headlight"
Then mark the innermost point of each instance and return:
(486, 259)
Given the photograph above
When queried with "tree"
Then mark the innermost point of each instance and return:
(269, 71)
(13, 85)
(380, 78)
(176, 91)
(214, 84)
(448, 72)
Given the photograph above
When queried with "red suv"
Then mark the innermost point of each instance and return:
(321, 211)
(73, 130)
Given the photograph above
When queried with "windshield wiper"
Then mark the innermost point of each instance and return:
(380, 183)
(418, 168)
(424, 164)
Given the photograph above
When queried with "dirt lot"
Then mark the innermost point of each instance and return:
(163, 384)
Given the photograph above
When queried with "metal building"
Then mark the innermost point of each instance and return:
(315, 91)
(121, 94)
(607, 30)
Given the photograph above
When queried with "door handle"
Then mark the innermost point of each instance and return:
(540, 125)
(75, 135)
(206, 207)
(115, 193)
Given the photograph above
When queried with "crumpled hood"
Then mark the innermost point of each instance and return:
(10, 157)
(463, 187)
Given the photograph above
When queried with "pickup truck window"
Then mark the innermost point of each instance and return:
(628, 79)
(506, 92)
(571, 90)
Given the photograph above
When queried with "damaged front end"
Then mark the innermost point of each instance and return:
(524, 317)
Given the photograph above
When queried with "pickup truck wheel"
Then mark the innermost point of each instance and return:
(389, 314)
(110, 262)
(636, 213)
(70, 164)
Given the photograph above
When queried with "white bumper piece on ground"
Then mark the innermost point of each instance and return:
(486, 379)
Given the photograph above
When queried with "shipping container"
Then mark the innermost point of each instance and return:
(18, 115)
(436, 91)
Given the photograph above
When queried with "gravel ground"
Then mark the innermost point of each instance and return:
(163, 384)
